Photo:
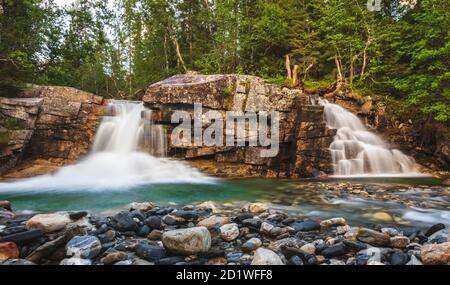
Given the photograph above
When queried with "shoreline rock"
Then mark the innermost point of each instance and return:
(149, 234)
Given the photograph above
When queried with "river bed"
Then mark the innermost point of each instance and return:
(418, 202)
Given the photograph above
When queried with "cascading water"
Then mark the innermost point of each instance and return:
(128, 151)
(356, 151)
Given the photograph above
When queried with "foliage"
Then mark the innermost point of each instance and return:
(401, 52)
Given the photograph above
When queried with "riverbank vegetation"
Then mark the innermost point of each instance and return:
(117, 48)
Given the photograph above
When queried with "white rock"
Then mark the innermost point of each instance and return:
(187, 241)
(146, 206)
(48, 223)
(309, 248)
(208, 205)
(84, 247)
(266, 257)
(229, 232)
(390, 231)
(256, 208)
(75, 261)
(213, 221)
(373, 262)
(414, 261)
(266, 227)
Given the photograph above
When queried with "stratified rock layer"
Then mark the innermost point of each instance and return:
(47, 123)
(303, 136)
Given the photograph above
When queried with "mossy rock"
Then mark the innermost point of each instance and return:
(12, 123)
(5, 136)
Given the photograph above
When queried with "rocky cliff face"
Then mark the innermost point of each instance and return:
(51, 123)
(304, 138)
(17, 123)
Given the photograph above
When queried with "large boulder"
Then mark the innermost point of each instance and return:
(187, 241)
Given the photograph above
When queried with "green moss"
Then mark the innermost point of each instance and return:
(4, 138)
(228, 94)
(12, 123)
(318, 84)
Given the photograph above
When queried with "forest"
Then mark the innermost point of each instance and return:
(118, 48)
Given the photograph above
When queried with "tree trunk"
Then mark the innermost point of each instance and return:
(288, 68)
(295, 75)
(177, 48)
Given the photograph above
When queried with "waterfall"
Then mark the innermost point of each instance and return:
(129, 127)
(356, 151)
(128, 152)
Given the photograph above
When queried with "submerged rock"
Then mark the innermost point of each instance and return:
(187, 241)
(306, 226)
(333, 222)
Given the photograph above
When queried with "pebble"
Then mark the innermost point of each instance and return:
(214, 221)
(154, 222)
(342, 230)
(333, 222)
(124, 222)
(256, 208)
(309, 248)
(436, 254)
(75, 261)
(399, 241)
(334, 251)
(85, 247)
(18, 261)
(114, 257)
(8, 250)
(433, 229)
(399, 258)
(265, 256)
(306, 226)
(390, 231)
(251, 245)
(150, 252)
(187, 241)
(48, 223)
(266, 228)
(155, 235)
(295, 260)
(373, 237)
(229, 232)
